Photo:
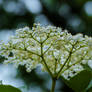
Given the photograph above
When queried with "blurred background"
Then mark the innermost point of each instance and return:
(74, 15)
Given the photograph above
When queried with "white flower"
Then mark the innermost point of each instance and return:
(58, 52)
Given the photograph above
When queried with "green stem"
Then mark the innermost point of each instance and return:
(53, 84)
(70, 53)
(59, 73)
(46, 66)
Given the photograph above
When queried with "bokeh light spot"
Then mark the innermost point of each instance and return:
(88, 8)
(33, 6)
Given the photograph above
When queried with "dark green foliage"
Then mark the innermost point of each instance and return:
(11, 54)
(8, 88)
(89, 90)
(2, 58)
(79, 82)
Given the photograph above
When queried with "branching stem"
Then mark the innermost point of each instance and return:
(46, 66)
(70, 53)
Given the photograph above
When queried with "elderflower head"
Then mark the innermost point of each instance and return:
(57, 51)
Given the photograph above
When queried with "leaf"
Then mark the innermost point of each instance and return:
(89, 90)
(89, 87)
(79, 82)
(87, 67)
(8, 88)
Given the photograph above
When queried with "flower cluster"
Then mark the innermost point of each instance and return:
(55, 50)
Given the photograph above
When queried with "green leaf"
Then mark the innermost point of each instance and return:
(87, 67)
(89, 87)
(8, 88)
(79, 82)
(89, 90)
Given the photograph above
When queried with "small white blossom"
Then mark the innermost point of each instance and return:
(56, 51)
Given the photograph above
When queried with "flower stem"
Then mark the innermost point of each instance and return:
(53, 84)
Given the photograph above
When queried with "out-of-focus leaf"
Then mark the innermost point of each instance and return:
(89, 90)
(8, 88)
(79, 82)
(87, 67)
